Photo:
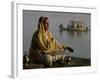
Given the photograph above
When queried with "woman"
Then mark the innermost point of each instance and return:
(44, 48)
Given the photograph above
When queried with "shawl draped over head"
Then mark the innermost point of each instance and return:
(43, 41)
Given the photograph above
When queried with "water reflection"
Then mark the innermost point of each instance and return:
(74, 33)
(79, 40)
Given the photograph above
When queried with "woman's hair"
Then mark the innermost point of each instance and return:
(42, 19)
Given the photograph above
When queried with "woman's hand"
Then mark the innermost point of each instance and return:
(69, 48)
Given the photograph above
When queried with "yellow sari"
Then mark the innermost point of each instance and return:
(43, 42)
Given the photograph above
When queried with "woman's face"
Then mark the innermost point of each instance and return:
(46, 25)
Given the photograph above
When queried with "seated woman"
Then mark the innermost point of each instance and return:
(44, 48)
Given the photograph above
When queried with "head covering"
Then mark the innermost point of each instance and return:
(42, 43)
(41, 35)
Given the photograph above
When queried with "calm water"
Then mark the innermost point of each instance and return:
(79, 41)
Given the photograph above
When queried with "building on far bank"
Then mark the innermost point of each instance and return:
(77, 26)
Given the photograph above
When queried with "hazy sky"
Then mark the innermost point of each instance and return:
(30, 21)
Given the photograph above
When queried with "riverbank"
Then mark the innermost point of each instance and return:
(75, 62)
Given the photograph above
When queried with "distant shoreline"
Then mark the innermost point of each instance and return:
(77, 29)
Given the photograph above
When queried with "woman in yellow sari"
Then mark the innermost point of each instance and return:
(44, 48)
